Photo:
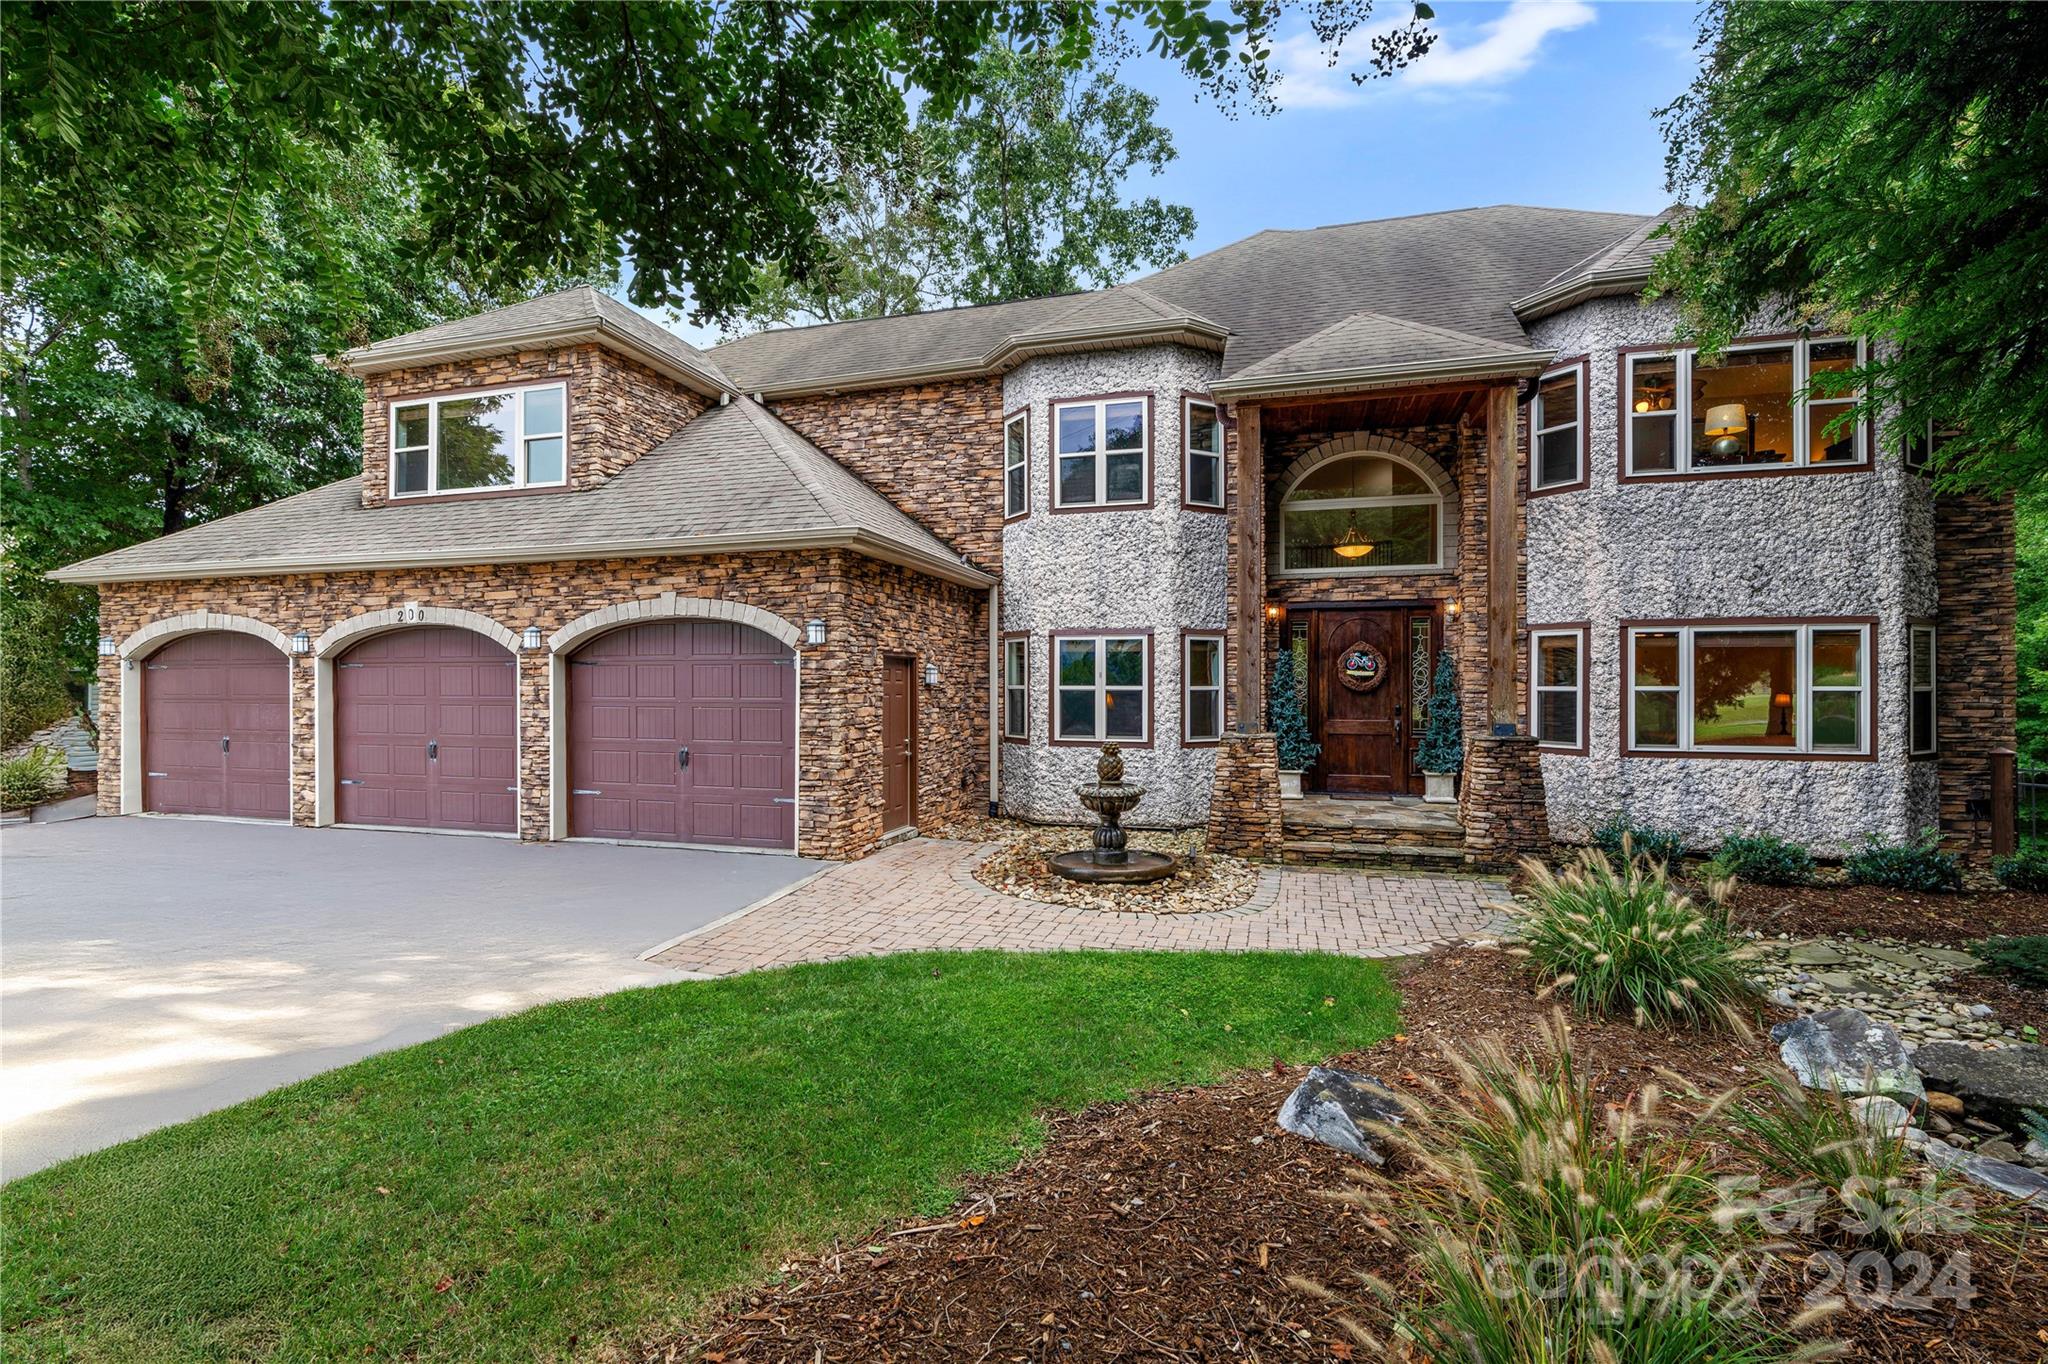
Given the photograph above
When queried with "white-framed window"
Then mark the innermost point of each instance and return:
(1919, 441)
(1558, 681)
(1201, 425)
(1920, 693)
(1360, 514)
(1763, 688)
(1201, 688)
(1102, 452)
(1557, 427)
(1017, 465)
(1102, 687)
(1016, 689)
(1684, 416)
(464, 442)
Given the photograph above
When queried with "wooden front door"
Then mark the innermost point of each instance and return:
(899, 736)
(1361, 706)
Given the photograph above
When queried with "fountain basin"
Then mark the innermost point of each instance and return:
(1135, 867)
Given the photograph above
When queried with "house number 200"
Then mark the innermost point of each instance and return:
(411, 612)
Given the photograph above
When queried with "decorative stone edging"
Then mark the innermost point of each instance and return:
(1263, 897)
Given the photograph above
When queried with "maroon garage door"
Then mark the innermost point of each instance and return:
(425, 736)
(217, 728)
(684, 731)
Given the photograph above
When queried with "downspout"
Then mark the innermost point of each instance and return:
(995, 701)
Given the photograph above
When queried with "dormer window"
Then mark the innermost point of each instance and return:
(471, 442)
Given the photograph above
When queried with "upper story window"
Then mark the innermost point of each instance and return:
(1766, 689)
(1921, 440)
(1684, 416)
(1102, 688)
(1017, 465)
(512, 438)
(1361, 514)
(1202, 468)
(1557, 427)
(1102, 452)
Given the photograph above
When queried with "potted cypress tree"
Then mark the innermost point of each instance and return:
(1290, 721)
(1442, 750)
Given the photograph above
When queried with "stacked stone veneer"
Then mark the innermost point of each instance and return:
(870, 609)
(1244, 805)
(935, 450)
(1157, 569)
(618, 409)
(1501, 800)
(1851, 543)
(1975, 665)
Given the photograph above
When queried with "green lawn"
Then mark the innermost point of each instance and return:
(533, 1186)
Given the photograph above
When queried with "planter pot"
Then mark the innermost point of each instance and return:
(1440, 788)
(1290, 785)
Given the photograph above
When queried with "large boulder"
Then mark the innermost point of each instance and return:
(2002, 1176)
(1335, 1107)
(1996, 1085)
(1848, 1051)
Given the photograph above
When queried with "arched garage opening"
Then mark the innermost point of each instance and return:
(216, 727)
(682, 730)
(426, 731)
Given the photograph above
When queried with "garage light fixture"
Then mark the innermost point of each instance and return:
(302, 643)
(814, 632)
(931, 674)
(529, 638)
(107, 646)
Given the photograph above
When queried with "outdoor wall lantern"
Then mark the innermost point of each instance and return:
(1272, 612)
(529, 638)
(814, 632)
(931, 674)
(302, 643)
(107, 646)
(1453, 607)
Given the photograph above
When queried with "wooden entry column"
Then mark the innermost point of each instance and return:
(1248, 531)
(1503, 559)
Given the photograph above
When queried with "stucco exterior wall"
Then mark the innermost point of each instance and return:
(1856, 543)
(1161, 568)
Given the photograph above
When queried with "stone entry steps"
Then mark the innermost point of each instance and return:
(1398, 834)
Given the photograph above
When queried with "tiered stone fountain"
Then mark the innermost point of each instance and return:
(1109, 862)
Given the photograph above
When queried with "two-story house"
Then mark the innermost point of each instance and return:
(817, 586)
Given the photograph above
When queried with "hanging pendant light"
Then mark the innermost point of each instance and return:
(1353, 545)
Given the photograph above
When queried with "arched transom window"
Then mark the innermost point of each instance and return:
(1361, 514)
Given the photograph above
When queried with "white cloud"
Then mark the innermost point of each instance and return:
(1464, 57)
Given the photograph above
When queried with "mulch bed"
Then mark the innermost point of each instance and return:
(1873, 911)
(1168, 1226)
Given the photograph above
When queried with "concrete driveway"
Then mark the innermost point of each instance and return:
(155, 969)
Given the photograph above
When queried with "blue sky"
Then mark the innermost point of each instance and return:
(1543, 102)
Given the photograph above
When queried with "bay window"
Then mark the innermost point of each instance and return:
(467, 442)
(1017, 688)
(1920, 690)
(1771, 688)
(1102, 688)
(1017, 465)
(1201, 702)
(1683, 415)
(1558, 684)
(1557, 429)
(1202, 466)
(1102, 452)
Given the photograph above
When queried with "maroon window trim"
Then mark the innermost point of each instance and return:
(1222, 638)
(1052, 455)
(1715, 754)
(1932, 752)
(1621, 430)
(1583, 630)
(1188, 397)
(1024, 414)
(1584, 365)
(1052, 685)
(1008, 637)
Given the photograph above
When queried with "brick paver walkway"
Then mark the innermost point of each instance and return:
(920, 895)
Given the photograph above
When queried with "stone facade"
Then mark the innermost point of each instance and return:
(1244, 807)
(1501, 800)
(935, 450)
(1975, 669)
(870, 609)
(1157, 569)
(618, 409)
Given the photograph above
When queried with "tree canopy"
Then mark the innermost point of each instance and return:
(1877, 169)
(1020, 195)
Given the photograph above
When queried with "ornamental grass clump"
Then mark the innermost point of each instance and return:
(32, 778)
(1623, 941)
(1551, 1226)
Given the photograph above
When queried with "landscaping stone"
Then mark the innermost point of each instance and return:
(1334, 1106)
(1947, 1104)
(1848, 1051)
(1879, 1114)
(1996, 1084)
(1908, 985)
(2014, 1181)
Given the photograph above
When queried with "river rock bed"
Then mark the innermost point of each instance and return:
(1909, 985)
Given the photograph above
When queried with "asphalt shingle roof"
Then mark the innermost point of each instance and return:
(736, 474)
(1615, 268)
(1375, 341)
